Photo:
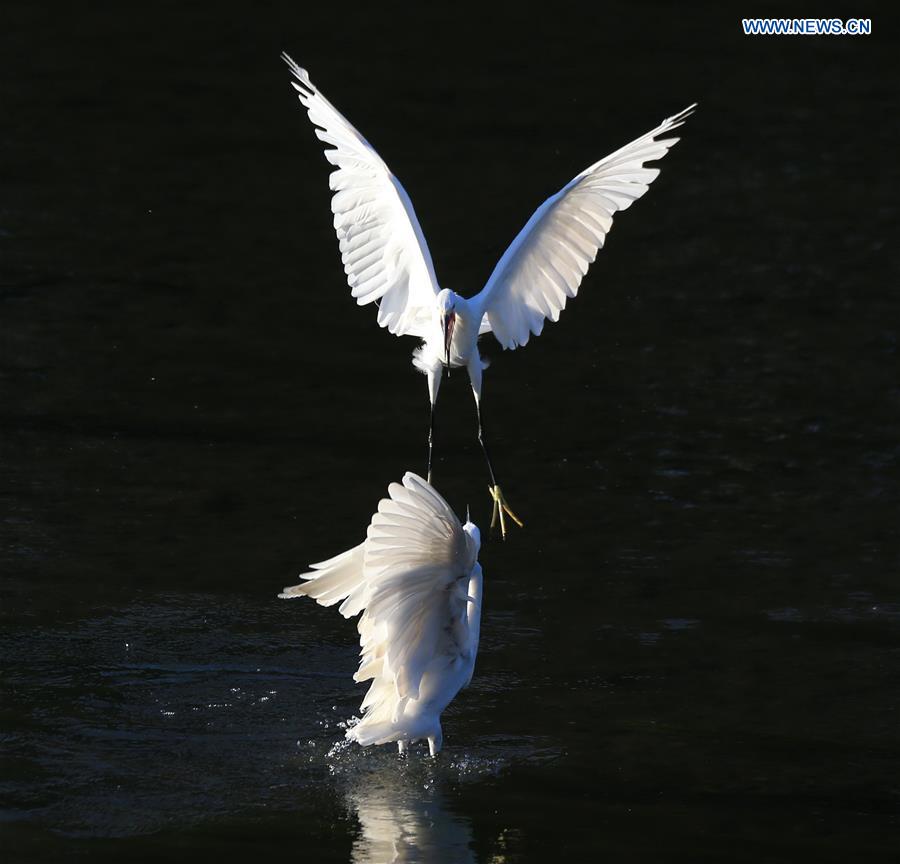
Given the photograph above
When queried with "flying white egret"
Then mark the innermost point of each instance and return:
(387, 260)
(417, 581)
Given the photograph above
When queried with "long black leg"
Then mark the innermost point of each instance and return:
(430, 440)
(482, 443)
(501, 508)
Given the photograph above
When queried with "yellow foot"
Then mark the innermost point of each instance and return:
(501, 511)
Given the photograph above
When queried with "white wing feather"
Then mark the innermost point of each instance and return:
(332, 580)
(417, 553)
(385, 255)
(546, 262)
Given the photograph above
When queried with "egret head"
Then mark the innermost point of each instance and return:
(446, 301)
(472, 530)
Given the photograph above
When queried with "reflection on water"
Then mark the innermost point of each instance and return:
(403, 820)
(409, 808)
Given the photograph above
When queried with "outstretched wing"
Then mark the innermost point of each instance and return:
(546, 262)
(382, 246)
(418, 560)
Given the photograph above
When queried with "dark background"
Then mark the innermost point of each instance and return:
(692, 652)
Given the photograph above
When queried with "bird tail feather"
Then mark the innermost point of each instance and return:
(367, 732)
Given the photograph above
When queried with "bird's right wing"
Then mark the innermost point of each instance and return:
(385, 255)
(546, 262)
(418, 560)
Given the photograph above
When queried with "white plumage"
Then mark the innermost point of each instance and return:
(387, 260)
(385, 255)
(417, 582)
(546, 262)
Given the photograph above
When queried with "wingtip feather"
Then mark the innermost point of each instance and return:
(679, 118)
(295, 67)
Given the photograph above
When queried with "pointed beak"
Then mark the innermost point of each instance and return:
(449, 322)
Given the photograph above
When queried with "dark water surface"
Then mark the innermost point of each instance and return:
(693, 650)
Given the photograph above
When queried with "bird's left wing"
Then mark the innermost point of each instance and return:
(385, 255)
(546, 262)
(418, 560)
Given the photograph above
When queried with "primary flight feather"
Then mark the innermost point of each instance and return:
(387, 260)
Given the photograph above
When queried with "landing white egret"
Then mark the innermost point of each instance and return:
(387, 261)
(417, 582)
